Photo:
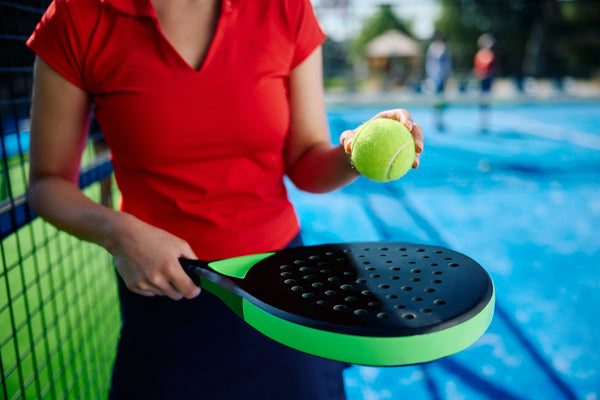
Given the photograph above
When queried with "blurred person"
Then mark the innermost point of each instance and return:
(205, 106)
(484, 69)
(438, 67)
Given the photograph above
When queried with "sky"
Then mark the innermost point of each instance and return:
(340, 23)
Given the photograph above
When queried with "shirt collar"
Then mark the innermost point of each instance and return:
(136, 8)
(144, 8)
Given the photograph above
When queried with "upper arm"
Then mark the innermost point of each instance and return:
(308, 122)
(59, 122)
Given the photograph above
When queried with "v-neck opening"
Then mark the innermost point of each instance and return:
(225, 8)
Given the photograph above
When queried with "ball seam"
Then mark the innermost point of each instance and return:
(389, 168)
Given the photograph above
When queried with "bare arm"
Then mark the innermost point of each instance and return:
(59, 122)
(312, 162)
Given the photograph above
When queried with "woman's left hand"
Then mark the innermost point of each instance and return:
(400, 115)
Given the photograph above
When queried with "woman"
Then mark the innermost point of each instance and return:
(205, 106)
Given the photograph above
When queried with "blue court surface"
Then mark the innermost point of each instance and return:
(523, 200)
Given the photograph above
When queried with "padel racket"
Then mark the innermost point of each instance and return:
(370, 303)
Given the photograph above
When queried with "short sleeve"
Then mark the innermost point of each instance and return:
(306, 30)
(58, 41)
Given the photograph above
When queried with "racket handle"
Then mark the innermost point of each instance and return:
(193, 268)
(197, 269)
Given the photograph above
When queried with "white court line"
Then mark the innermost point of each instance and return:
(546, 130)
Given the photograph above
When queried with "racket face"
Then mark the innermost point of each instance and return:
(382, 289)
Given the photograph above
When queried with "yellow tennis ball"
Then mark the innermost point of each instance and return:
(383, 149)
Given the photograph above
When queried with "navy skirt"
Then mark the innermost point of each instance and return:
(200, 349)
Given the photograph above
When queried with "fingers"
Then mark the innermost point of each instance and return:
(149, 277)
(417, 133)
(346, 140)
(174, 283)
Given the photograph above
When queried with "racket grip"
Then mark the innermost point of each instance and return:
(193, 268)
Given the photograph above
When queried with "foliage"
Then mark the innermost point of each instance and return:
(383, 20)
(534, 37)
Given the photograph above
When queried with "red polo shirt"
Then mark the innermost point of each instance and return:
(195, 152)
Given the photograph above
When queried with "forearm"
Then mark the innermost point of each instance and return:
(63, 204)
(323, 168)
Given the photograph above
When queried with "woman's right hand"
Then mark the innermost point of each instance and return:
(147, 258)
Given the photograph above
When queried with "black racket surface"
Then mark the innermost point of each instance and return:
(369, 289)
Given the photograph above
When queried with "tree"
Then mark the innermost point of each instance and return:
(543, 38)
(383, 20)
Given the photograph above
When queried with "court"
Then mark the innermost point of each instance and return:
(523, 200)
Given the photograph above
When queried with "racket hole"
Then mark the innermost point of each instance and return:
(322, 263)
(426, 310)
(360, 312)
(424, 256)
(383, 248)
(366, 293)
(412, 262)
(341, 259)
(350, 299)
(330, 292)
(447, 258)
(375, 276)
(429, 290)
(401, 249)
(299, 262)
(388, 261)
(304, 269)
(361, 281)
(285, 267)
(374, 304)
(308, 277)
(436, 281)
(409, 316)
(346, 287)
(419, 250)
(325, 271)
(370, 268)
(348, 273)
(314, 258)
(333, 279)
(289, 281)
(322, 302)
(437, 272)
(453, 265)
(297, 288)
(367, 263)
(395, 268)
(439, 302)
(417, 299)
(394, 277)
(340, 307)
(407, 288)
(392, 296)
(317, 285)
(415, 279)
(286, 274)
(438, 252)
(384, 287)
(434, 264)
(308, 295)
(415, 271)
(383, 315)
(404, 255)
(399, 307)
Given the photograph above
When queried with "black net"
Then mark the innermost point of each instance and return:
(59, 314)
